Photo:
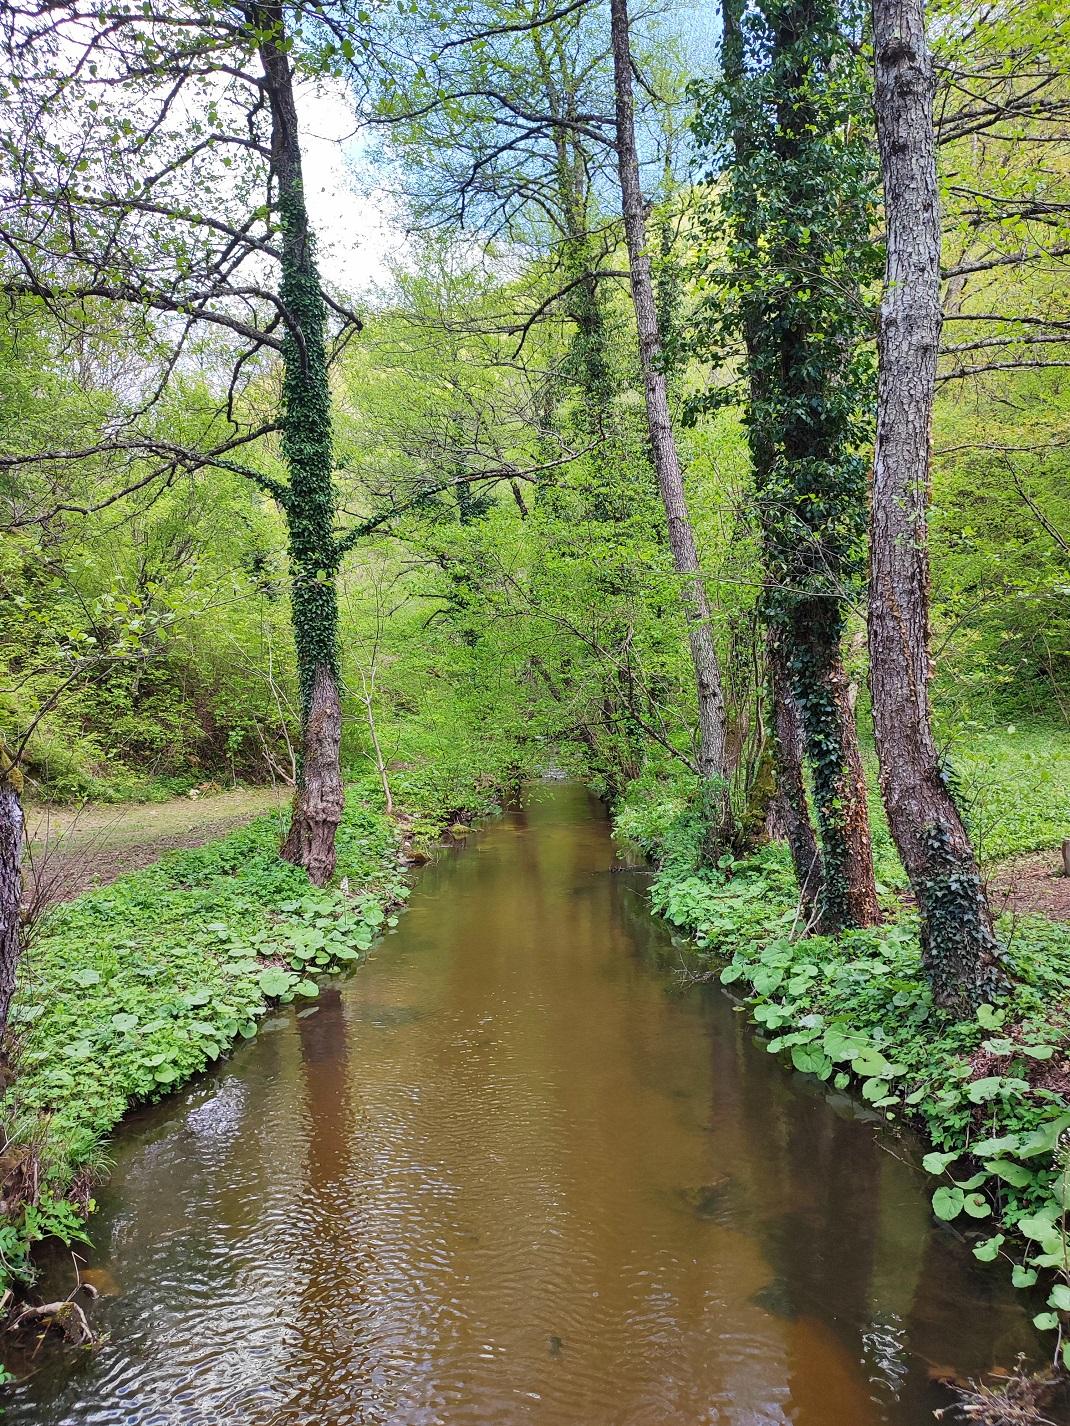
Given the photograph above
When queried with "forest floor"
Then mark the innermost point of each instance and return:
(1032, 885)
(72, 849)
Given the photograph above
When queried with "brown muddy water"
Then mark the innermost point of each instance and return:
(510, 1172)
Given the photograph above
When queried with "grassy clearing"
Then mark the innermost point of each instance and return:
(1013, 785)
(992, 1096)
(131, 989)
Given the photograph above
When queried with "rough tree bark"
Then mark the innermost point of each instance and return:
(791, 785)
(308, 500)
(813, 710)
(11, 832)
(712, 760)
(959, 950)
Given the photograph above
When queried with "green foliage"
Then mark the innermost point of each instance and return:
(856, 1011)
(791, 199)
(308, 499)
(129, 990)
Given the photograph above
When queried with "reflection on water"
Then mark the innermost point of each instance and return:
(509, 1173)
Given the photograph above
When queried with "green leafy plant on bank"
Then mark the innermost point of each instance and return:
(855, 1011)
(128, 991)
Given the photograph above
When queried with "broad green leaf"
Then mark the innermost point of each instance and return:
(988, 1251)
(1016, 1174)
(937, 1163)
(948, 1203)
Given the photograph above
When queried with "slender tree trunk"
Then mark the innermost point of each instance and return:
(11, 832)
(309, 503)
(712, 760)
(959, 950)
(791, 786)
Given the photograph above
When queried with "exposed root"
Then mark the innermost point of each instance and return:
(1015, 1401)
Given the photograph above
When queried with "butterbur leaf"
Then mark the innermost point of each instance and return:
(988, 1251)
(274, 982)
(1046, 1321)
(1023, 1277)
(987, 1148)
(1038, 1225)
(982, 1090)
(1043, 1140)
(1015, 1174)
(1060, 1297)
(937, 1163)
(977, 1205)
(124, 1022)
(974, 1181)
(948, 1203)
(989, 1018)
(810, 1059)
(307, 987)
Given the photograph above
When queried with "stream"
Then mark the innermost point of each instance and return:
(510, 1171)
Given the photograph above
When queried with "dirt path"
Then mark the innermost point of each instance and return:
(1033, 885)
(74, 848)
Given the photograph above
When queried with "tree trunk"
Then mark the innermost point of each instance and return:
(712, 760)
(318, 801)
(11, 832)
(959, 950)
(830, 738)
(810, 689)
(308, 502)
(791, 787)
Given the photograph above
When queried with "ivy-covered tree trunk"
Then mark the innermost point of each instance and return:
(821, 693)
(796, 205)
(790, 782)
(308, 499)
(713, 741)
(959, 949)
(11, 833)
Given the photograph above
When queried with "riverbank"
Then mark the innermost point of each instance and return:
(129, 990)
(991, 1097)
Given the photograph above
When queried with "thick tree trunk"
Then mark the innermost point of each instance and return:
(308, 501)
(790, 438)
(830, 738)
(959, 950)
(712, 760)
(11, 833)
(318, 801)
(791, 786)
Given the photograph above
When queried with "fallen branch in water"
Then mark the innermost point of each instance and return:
(65, 1314)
